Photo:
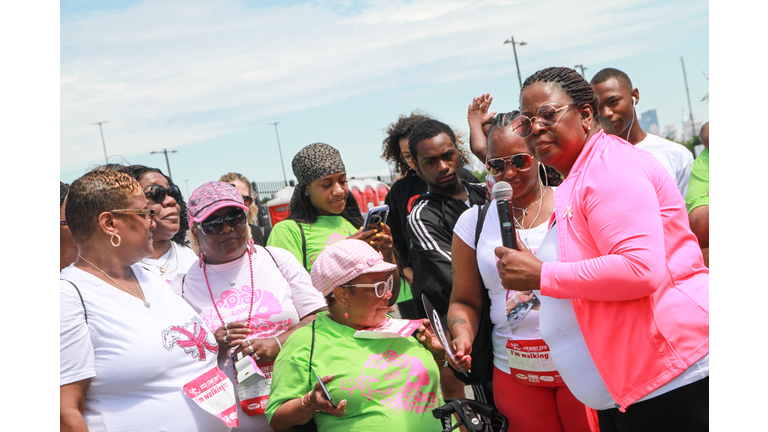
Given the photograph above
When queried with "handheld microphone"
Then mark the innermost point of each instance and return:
(502, 193)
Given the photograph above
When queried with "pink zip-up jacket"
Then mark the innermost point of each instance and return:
(631, 267)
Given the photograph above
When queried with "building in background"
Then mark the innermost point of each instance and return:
(649, 122)
(688, 132)
(669, 132)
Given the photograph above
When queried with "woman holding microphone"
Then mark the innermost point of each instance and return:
(624, 290)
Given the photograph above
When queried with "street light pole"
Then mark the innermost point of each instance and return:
(690, 110)
(581, 66)
(514, 50)
(106, 159)
(282, 165)
(168, 164)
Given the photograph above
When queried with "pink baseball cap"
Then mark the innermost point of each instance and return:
(210, 197)
(343, 261)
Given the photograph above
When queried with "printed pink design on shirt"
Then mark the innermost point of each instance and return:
(334, 237)
(394, 380)
(234, 305)
(192, 337)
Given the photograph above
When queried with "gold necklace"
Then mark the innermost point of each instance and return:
(146, 303)
(164, 268)
(340, 228)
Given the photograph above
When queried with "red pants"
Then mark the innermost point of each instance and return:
(538, 409)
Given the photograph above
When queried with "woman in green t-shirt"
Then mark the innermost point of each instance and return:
(323, 211)
(375, 383)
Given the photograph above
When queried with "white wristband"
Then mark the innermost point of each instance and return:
(279, 345)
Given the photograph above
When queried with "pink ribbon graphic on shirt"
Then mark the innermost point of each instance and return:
(193, 341)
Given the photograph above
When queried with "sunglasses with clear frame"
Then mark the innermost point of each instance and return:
(546, 115)
(143, 212)
(212, 226)
(520, 161)
(381, 288)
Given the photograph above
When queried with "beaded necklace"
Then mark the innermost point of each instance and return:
(250, 310)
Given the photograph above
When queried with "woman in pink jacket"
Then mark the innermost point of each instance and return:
(623, 287)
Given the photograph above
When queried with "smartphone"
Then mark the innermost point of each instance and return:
(325, 391)
(376, 216)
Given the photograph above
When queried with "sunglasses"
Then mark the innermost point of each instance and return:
(235, 219)
(520, 161)
(145, 213)
(546, 114)
(380, 287)
(247, 199)
(157, 193)
(62, 222)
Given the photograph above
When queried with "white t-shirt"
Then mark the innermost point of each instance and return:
(560, 330)
(131, 354)
(177, 260)
(675, 158)
(526, 328)
(281, 297)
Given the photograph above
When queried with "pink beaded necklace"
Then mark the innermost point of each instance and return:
(250, 310)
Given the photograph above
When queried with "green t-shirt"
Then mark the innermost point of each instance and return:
(325, 232)
(698, 184)
(389, 384)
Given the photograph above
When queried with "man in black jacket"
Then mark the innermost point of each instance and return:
(430, 225)
(434, 214)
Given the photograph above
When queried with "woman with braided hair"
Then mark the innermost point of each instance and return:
(530, 394)
(623, 288)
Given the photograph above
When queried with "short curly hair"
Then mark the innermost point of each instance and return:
(390, 149)
(398, 130)
(94, 193)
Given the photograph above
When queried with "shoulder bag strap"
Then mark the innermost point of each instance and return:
(311, 351)
(480, 221)
(303, 244)
(81, 298)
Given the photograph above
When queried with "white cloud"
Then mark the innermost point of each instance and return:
(181, 72)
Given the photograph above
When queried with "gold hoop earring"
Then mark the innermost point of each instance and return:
(112, 240)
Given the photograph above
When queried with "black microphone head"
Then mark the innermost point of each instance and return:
(502, 191)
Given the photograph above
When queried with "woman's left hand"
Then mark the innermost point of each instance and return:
(232, 334)
(426, 335)
(518, 270)
(263, 350)
(379, 238)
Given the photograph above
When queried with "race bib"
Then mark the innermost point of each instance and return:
(390, 328)
(213, 392)
(530, 363)
(254, 393)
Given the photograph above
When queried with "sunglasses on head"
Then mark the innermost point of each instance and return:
(157, 193)
(546, 115)
(214, 225)
(247, 199)
(520, 161)
(381, 287)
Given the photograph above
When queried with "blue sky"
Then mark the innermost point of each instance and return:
(206, 78)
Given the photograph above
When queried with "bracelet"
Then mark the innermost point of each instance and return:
(279, 345)
(310, 400)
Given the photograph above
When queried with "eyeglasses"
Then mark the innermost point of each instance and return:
(247, 199)
(546, 114)
(235, 219)
(520, 161)
(381, 287)
(157, 193)
(143, 212)
(62, 222)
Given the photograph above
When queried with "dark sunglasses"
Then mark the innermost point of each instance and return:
(546, 115)
(520, 161)
(212, 226)
(157, 193)
(247, 199)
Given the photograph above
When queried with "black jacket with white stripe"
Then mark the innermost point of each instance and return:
(430, 230)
